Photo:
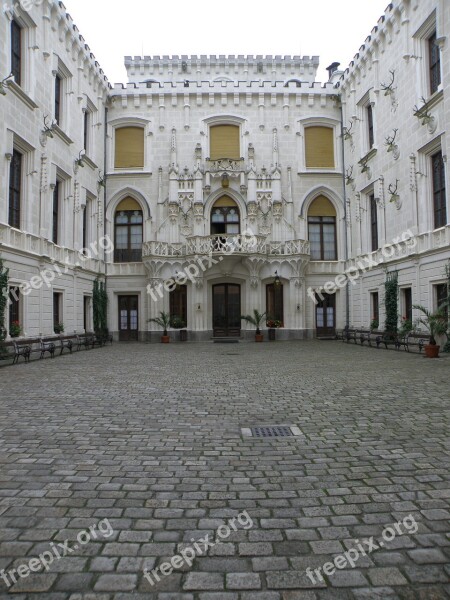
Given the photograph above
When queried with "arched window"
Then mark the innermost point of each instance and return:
(128, 227)
(225, 217)
(322, 229)
(129, 148)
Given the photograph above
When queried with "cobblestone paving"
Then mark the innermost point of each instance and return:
(148, 437)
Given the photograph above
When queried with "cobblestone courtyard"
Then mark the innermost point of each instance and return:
(149, 437)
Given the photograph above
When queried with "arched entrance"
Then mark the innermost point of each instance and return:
(226, 310)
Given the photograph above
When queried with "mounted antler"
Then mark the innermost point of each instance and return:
(389, 89)
(349, 176)
(391, 189)
(347, 131)
(423, 113)
(390, 141)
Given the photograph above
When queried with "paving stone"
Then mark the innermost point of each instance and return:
(115, 583)
(204, 581)
(386, 576)
(243, 581)
(166, 464)
(428, 556)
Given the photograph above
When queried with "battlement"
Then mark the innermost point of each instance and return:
(240, 67)
(379, 36)
(220, 87)
(62, 22)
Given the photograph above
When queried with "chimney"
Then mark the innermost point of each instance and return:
(332, 68)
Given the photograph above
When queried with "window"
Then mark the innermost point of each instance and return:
(129, 148)
(225, 217)
(373, 223)
(57, 310)
(86, 313)
(14, 307)
(224, 142)
(16, 52)
(128, 232)
(439, 192)
(85, 225)
(319, 148)
(442, 297)
(322, 229)
(274, 302)
(370, 129)
(434, 55)
(375, 306)
(407, 304)
(178, 303)
(58, 98)
(86, 127)
(15, 189)
(56, 213)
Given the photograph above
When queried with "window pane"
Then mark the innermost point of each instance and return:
(314, 238)
(121, 237)
(329, 242)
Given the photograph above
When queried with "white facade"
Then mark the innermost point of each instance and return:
(398, 50)
(174, 103)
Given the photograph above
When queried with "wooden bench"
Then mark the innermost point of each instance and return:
(21, 349)
(413, 339)
(388, 339)
(365, 335)
(350, 333)
(7, 351)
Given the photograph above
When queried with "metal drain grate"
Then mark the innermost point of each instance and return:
(267, 431)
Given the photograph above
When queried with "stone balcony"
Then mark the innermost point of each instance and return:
(227, 245)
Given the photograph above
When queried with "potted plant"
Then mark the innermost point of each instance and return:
(177, 323)
(406, 326)
(436, 323)
(374, 324)
(164, 322)
(255, 320)
(59, 328)
(15, 330)
(273, 324)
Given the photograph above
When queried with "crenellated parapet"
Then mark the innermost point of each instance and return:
(239, 67)
(61, 23)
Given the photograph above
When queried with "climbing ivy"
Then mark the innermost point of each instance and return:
(3, 302)
(100, 307)
(447, 305)
(391, 302)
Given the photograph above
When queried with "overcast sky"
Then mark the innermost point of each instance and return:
(331, 29)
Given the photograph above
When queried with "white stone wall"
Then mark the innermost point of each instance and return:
(397, 46)
(272, 119)
(51, 43)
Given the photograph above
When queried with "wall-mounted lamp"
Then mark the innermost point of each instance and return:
(298, 307)
(277, 280)
(225, 180)
(4, 84)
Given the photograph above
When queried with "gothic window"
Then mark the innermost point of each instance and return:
(128, 230)
(322, 229)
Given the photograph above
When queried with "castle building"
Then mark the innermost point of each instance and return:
(208, 186)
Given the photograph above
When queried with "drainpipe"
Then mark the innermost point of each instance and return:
(344, 187)
(104, 196)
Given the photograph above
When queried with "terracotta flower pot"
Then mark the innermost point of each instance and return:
(259, 337)
(432, 350)
(165, 339)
